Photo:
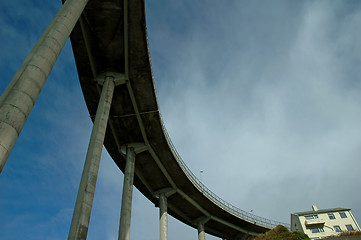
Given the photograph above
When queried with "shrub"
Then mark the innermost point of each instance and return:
(281, 233)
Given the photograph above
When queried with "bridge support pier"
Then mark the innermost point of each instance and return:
(163, 195)
(163, 217)
(126, 209)
(84, 200)
(22, 92)
(201, 232)
(241, 236)
(200, 225)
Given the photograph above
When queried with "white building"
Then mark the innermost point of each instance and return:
(323, 223)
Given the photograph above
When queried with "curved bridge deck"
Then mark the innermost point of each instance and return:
(111, 36)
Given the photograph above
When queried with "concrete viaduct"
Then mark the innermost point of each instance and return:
(110, 46)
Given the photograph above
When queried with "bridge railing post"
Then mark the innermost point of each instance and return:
(84, 200)
(22, 92)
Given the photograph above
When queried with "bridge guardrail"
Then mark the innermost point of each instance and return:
(216, 199)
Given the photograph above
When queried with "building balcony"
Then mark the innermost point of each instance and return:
(314, 222)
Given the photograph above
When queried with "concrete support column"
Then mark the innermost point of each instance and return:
(242, 236)
(84, 200)
(126, 209)
(201, 232)
(163, 217)
(21, 94)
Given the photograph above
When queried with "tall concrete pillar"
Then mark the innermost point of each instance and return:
(126, 209)
(84, 200)
(163, 217)
(201, 232)
(241, 236)
(21, 94)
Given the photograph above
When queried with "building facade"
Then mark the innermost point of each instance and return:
(323, 223)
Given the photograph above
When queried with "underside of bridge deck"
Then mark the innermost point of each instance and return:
(111, 38)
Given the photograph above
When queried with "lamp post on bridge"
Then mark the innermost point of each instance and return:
(200, 175)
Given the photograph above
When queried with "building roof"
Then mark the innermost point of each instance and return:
(322, 211)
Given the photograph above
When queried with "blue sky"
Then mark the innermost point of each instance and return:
(263, 96)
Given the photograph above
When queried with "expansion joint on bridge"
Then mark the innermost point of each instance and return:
(119, 78)
(137, 146)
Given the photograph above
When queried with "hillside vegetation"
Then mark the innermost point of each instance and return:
(281, 233)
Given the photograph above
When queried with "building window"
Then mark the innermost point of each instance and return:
(331, 216)
(349, 227)
(317, 230)
(337, 228)
(309, 217)
(343, 215)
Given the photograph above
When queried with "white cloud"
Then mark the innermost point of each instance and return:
(265, 95)
(275, 115)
